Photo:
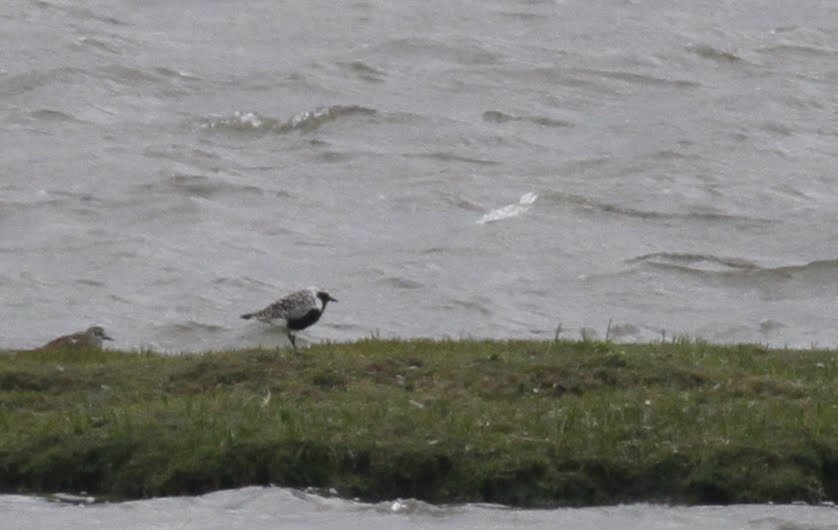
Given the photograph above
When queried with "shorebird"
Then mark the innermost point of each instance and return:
(92, 337)
(294, 312)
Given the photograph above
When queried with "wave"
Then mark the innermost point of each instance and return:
(450, 157)
(495, 116)
(694, 262)
(480, 305)
(709, 52)
(798, 49)
(510, 210)
(95, 79)
(634, 78)
(83, 13)
(97, 44)
(363, 71)
(52, 115)
(304, 122)
(401, 283)
(22, 83)
(418, 50)
(792, 280)
(199, 186)
(457, 201)
(593, 204)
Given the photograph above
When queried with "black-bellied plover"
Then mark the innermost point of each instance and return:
(92, 337)
(295, 312)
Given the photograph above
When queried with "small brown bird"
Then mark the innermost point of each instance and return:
(92, 337)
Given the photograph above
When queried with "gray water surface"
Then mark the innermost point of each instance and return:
(467, 169)
(270, 508)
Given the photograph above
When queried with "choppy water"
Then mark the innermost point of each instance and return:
(486, 168)
(271, 508)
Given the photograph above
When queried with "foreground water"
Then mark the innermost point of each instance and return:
(269, 508)
(484, 169)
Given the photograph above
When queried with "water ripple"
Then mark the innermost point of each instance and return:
(714, 54)
(495, 116)
(593, 204)
(694, 262)
(199, 186)
(785, 281)
(304, 122)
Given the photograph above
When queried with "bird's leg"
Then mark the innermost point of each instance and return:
(293, 341)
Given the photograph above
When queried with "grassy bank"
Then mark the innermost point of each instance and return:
(522, 423)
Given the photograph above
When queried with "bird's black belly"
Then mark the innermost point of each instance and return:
(302, 323)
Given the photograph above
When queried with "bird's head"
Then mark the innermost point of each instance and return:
(325, 297)
(98, 332)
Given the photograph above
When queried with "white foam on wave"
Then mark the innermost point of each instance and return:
(303, 121)
(510, 210)
(247, 120)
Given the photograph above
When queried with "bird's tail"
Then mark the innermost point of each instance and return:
(247, 316)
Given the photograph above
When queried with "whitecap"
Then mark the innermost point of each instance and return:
(510, 210)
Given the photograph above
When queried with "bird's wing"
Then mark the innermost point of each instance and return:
(295, 305)
(63, 342)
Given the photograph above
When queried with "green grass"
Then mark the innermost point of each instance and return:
(522, 423)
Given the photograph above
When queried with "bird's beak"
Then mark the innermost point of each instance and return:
(105, 337)
(332, 299)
